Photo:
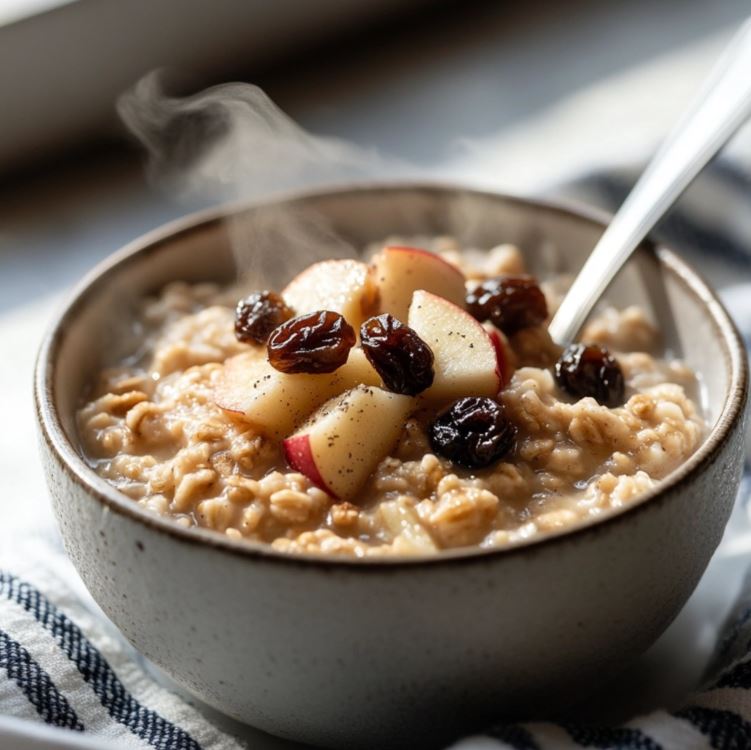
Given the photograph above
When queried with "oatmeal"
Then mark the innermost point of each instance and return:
(411, 406)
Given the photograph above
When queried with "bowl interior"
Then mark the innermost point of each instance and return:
(267, 244)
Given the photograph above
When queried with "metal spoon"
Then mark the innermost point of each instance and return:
(723, 105)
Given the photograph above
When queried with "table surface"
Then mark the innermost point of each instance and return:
(495, 96)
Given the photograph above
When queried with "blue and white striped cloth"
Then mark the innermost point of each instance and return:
(63, 664)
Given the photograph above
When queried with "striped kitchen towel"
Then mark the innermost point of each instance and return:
(62, 663)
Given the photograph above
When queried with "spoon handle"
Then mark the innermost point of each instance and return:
(723, 105)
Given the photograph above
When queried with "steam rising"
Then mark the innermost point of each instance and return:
(232, 141)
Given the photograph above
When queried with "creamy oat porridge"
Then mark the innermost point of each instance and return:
(316, 422)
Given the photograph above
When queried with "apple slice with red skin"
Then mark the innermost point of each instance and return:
(344, 286)
(466, 359)
(400, 271)
(500, 342)
(340, 446)
(275, 402)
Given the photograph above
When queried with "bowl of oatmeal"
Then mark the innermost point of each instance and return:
(320, 460)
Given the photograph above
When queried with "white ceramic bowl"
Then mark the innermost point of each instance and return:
(378, 653)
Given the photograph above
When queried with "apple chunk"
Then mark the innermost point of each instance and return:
(500, 342)
(276, 402)
(357, 371)
(400, 271)
(466, 360)
(344, 441)
(343, 286)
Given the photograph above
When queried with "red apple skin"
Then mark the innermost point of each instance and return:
(501, 364)
(300, 457)
(421, 251)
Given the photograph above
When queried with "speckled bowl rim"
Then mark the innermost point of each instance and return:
(78, 471)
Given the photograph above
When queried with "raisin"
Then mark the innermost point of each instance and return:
(473, 432)
(258, 315)
(316, 342)
(402, 359)
(509, 302)
(590, 370)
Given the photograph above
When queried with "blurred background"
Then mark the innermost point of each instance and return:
(521, 96)
(561, 98)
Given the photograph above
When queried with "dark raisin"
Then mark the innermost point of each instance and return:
(590, 370)
(402, 359)
(258, 315)
(472, 432)
(509, 302)
(317, 342)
